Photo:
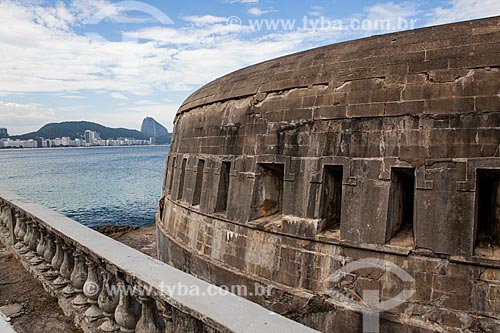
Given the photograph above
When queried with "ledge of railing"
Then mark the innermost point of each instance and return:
(5, 327)
(107, 285)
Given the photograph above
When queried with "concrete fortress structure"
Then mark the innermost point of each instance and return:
(386, 147)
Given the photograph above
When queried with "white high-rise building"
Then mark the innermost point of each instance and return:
(90, 137)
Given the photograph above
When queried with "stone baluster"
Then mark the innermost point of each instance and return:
(167, 316)
(108, 301)
(35, 236)
(58, 256)
(27, 237)
(3, 214)
(42, 245)
(35, 241)
(78, 278)
(17, 230)
(22, 229)
(92, 289)
(10, 222)
(69, 290)
(40, 249)
(183, 322)
(128, 311)
(27, 229)
(49, 253)
(66, 267)
(21, 221)
(6, 219)
(3, 220)
(56, 261)
(150, 320)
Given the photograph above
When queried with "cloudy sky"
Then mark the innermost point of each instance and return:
(117, 62)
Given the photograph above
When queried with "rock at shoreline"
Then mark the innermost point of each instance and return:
(115, 230)
(142, 238)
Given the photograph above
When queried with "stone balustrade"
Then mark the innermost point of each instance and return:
(106, 286)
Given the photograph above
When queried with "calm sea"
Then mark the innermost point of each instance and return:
(94, 186)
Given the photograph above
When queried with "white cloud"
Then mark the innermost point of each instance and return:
(258, 12)
(21, 118)
(11, 109)
(95, 11)
(48, 59)
(387, 17)
(387, 10)
(462, 10)
(205, 19)
(85, 9)
(53, 58)
(118, 95)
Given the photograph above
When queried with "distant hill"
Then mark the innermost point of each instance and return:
(153, 129)
(76, 129)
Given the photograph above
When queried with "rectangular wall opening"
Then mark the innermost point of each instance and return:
(171, 175)
(180, 192)
(401, 204)
(199, 182)
(488, 210)
(223, 191)
(331, 199)
(268, 198)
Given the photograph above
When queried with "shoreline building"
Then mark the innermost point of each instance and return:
(3, 133)
(90, 137)
(383, 149)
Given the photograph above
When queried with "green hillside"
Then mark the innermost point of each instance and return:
(76, 129)
(164, 139)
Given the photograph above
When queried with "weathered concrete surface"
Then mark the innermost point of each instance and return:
(427, 101)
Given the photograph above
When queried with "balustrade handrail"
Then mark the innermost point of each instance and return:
(213, 306)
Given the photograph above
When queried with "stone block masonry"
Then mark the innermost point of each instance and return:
(410, 124)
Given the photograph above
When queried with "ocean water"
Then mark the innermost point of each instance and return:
(94, 186)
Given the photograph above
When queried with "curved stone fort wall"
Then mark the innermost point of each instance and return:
(386, 147)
